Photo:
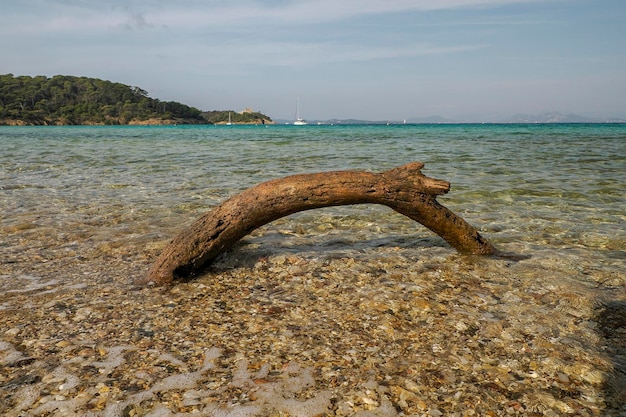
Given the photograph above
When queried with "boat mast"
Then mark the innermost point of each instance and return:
(298, 120)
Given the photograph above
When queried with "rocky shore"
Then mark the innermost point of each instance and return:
(409, 328)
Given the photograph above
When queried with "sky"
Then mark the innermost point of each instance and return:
(467, 60)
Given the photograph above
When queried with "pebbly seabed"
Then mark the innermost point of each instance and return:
(344, 311)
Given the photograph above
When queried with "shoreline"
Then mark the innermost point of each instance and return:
(280, 330)
(148, 122)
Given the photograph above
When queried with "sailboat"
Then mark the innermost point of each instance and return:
(299, 121)
(229, 121)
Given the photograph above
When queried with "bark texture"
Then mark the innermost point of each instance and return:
(405, 189)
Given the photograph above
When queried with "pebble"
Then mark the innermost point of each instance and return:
(563, 378)
(338, 339)
(12, 332)
(63, 344)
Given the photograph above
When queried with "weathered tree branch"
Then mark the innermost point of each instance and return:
(405, 189)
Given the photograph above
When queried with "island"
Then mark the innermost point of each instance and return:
(71, 100)
(245, 117)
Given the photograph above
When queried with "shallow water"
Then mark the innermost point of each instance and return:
(83, 211)
(544, 187)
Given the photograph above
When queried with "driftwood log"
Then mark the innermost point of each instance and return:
(405, 189)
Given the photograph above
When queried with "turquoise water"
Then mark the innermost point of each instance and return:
(548, 185)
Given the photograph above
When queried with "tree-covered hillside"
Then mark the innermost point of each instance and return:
(247, 116)
(68, 100)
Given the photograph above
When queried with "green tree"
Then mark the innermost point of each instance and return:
(77, 100)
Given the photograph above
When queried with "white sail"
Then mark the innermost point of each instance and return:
(299, 121)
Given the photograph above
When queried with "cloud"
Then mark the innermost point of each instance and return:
(214, 13)
(92, 16)
(137, 20)
(295, 54)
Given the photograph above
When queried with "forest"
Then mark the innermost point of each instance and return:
(70, 100)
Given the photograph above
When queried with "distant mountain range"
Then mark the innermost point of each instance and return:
(551, 117)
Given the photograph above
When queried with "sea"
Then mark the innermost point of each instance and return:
(72, 197)
(545, 187)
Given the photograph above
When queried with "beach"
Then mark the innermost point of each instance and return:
(341, 311)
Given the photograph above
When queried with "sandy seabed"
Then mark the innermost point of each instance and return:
(399, 327)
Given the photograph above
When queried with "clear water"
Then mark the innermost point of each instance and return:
(84, 210)
(551, 186)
